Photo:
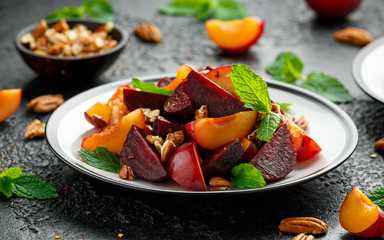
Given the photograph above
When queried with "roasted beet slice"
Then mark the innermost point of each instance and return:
(276, 158)
(134, 99)
(141, 157)
(179, 105)
(162, 126)
(220, 162)
(203, 91)
(165, 81)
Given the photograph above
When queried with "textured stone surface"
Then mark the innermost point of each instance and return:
(89, 209)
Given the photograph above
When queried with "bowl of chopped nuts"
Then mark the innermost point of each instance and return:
(70, 48)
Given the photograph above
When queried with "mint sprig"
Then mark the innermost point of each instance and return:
(377, 196)
(246, 175)
(97, 9)
(14, 181)
(288, 68)
(150, 87)
(254, 93)
(203, 9)
(102, 158)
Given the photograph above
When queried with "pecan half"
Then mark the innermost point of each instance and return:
(35, 129)
(301, 122)
(352, 35)
(201, 113)
(303, 225)
(150, 115)
(126, 172)
(302, 236)
(379, 145)
(45, 103)
(167, 149)
(155, 140)
(219, 184)
(148, 32)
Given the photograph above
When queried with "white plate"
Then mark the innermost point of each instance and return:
(329, 126)
(368, 69)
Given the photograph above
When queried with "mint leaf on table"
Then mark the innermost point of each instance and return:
(327, 86)
(14, 181)
(251, 88)
(66, 12)
(230, 10)
(201, 9)
(149, 87)
(377, 196)
(102, 158)
(246, 175)
(287, 67)
(98, 9)
(268, 127)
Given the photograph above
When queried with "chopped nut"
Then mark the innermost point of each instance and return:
(379, 145)
(373, 156)
(131, 176)
(219, 184)
(105, 28)
(167, 149)
(355, 36)
(178, 137)
(155, 140)
(123, 172)
(205, 70)
(35, 129)
(301, 122)
(150, 115)
(275, 108)
(45, 103)
(148, 32)
(61, 26)
(303, 225)
(28, 40)
(40, 29)
(302, 236)
(201, 113)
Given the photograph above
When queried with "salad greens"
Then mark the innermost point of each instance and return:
(246, 175)
(149, 87)
(377, 196)
(102, 158)
(288, 68)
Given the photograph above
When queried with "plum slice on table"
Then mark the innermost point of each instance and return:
(277, 158)
(138, 154)
(219, 162)
(203, 91)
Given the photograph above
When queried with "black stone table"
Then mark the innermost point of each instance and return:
(89, 209)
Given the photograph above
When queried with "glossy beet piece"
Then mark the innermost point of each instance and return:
(165, 81)
(179, 104)
(277, 158)
(134, 99)
(138, 154)
(203, 91)
(162, 126)
(220, 162)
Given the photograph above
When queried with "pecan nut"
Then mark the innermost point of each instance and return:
(35, 129)
(155, 140)
(45, 103)
(379, 145)
(150, 115)
(127, 172)
(355, 36)
(148, 32)
(301, 122)
(303, 225)
(302, 236)
(201, 113)
(219, 184)
(167, 149)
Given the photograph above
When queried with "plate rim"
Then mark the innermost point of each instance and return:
(356, 68)
(348, 150)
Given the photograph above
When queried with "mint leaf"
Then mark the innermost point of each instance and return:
(268, 126)
(201, 9)
(66, 12)
(230, 10)
(287, 67)
(101, 158)
(328, 87)
(149, 87)
(377, 197)
(251, 88)
(246, 175)
(29, 186)
(13, 172)
(98, 9)
(6, 185)
(284, 107)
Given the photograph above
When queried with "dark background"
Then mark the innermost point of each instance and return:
(90, 209)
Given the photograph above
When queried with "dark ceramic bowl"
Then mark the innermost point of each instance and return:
(72, 67)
